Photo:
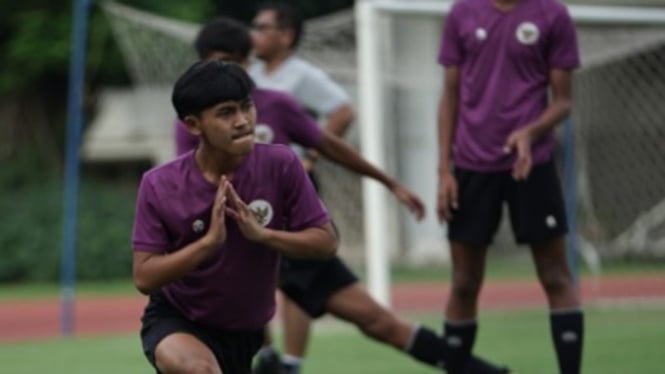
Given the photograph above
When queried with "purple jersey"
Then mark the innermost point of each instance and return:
(505, 58)
(235, 288)
(280, 120)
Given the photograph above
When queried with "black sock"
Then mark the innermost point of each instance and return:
(568, 334)
(427, 347)
(458, 343)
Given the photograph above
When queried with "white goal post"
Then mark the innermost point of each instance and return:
(371, 38)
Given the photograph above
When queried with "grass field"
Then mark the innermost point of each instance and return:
(618, 340)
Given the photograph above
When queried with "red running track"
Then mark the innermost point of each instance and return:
(22, 320)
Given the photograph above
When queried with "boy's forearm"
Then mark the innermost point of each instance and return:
(315, 242)
(550, 118)
(447, 119)
(340, 152)
(152, 271)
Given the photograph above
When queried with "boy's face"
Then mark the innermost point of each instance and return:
(227, 127)
(268, 38)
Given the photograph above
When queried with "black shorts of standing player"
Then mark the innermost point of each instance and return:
(536, 207)
(232, 349)
(310, 283)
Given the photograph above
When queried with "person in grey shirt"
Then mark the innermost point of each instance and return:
(276, 31)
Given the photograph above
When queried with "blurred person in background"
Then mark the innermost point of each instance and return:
(502, 59)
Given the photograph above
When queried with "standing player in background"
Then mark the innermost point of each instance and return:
(277, 29)
(276, 32)
(320, 286)
(501, 59)
(210, 227)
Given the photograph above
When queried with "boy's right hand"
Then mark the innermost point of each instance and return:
(216, 234)
(447, 196)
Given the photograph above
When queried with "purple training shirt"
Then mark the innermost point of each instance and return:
(280, 120)
(505, 58)
(235, 288)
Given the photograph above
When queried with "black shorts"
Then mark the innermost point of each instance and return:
(536, 207)
(233, 349)
(310, 283)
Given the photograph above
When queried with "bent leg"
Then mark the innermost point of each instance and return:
(182, 353)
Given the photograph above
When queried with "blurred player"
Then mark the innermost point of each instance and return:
(277, 29)
(320, 286)
(502, 58)
(210, 227)
(276, 32)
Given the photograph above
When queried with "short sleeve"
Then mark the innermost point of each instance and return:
(150, 233)
(300, 127)
(563, 50)
(318, 92)
(184, 140)
(450, 49)
(304, 208)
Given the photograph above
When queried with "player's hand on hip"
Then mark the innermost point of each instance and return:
(520, 141)
(216, 234)
(408, 198)
(244, 217)
(447, 196)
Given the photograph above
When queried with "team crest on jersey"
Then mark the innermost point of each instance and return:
(527, 33)
(481, 34)
(198, 226)
(263, 134)
(262, 211)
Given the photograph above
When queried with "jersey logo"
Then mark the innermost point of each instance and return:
(198, 226)
(569, 336)
(262, 211)
(263, 134)
(550, 221)
(527, 33)
(481, 33)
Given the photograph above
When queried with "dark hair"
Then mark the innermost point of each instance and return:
(223, 34)
(287, 17)
(208, 83)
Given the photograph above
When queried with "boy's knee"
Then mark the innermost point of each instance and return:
(188, 365)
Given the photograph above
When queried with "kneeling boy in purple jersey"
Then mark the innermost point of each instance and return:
(210, 227)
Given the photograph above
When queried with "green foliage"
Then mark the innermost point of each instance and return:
(36, 46)
(31, 222)
(30, 52)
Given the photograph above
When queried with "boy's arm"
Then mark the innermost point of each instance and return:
(447, 194)
(313, 241)
(337, 150)
(153, 269)
(339, 120)
(319, 242)
(447, 118)
(520, 140)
